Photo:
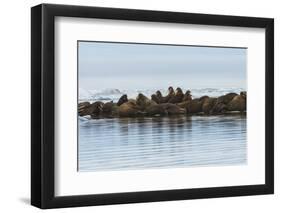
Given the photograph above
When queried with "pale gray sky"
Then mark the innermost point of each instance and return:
(143, 66)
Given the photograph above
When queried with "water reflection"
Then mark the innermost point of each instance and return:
(161, 142)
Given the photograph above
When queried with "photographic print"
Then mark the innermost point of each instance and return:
(131, 106)
(159, 106)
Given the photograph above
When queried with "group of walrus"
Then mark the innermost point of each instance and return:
(175, 103)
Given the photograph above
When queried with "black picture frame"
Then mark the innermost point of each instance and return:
(43, 111)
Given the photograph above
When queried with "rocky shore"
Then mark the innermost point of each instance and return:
(175, 103)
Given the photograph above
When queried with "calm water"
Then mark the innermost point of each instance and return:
(162, 142)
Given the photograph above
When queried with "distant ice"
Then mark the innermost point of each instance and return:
(113, 94)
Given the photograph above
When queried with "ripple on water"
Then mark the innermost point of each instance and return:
(161, 142)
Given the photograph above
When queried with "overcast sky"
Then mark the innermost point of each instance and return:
(143, 66)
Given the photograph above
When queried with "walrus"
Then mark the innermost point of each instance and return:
(195, 105)
(238, 103)
(122, 99)
(109, 109)
(158, 109)
(129, 109)
(143, 102)
(208, 105)
(171, 93)
(173, 109)
(222, 101)
(183, 104)
(164, 109)
(178, 97)
(187, 96)
(159, 96)
(155, 99)
(93, 109)
(227, 98)
(82, 106)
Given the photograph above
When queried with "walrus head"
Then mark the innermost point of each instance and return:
(243, 94)
(122, 99)
(141, 99)
(158, 93)
(187, 92)
(187, 96)
(171, 90)
(179, 91)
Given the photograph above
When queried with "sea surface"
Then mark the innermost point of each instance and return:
(161, 142)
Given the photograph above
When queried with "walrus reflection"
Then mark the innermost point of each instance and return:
(123, 124)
